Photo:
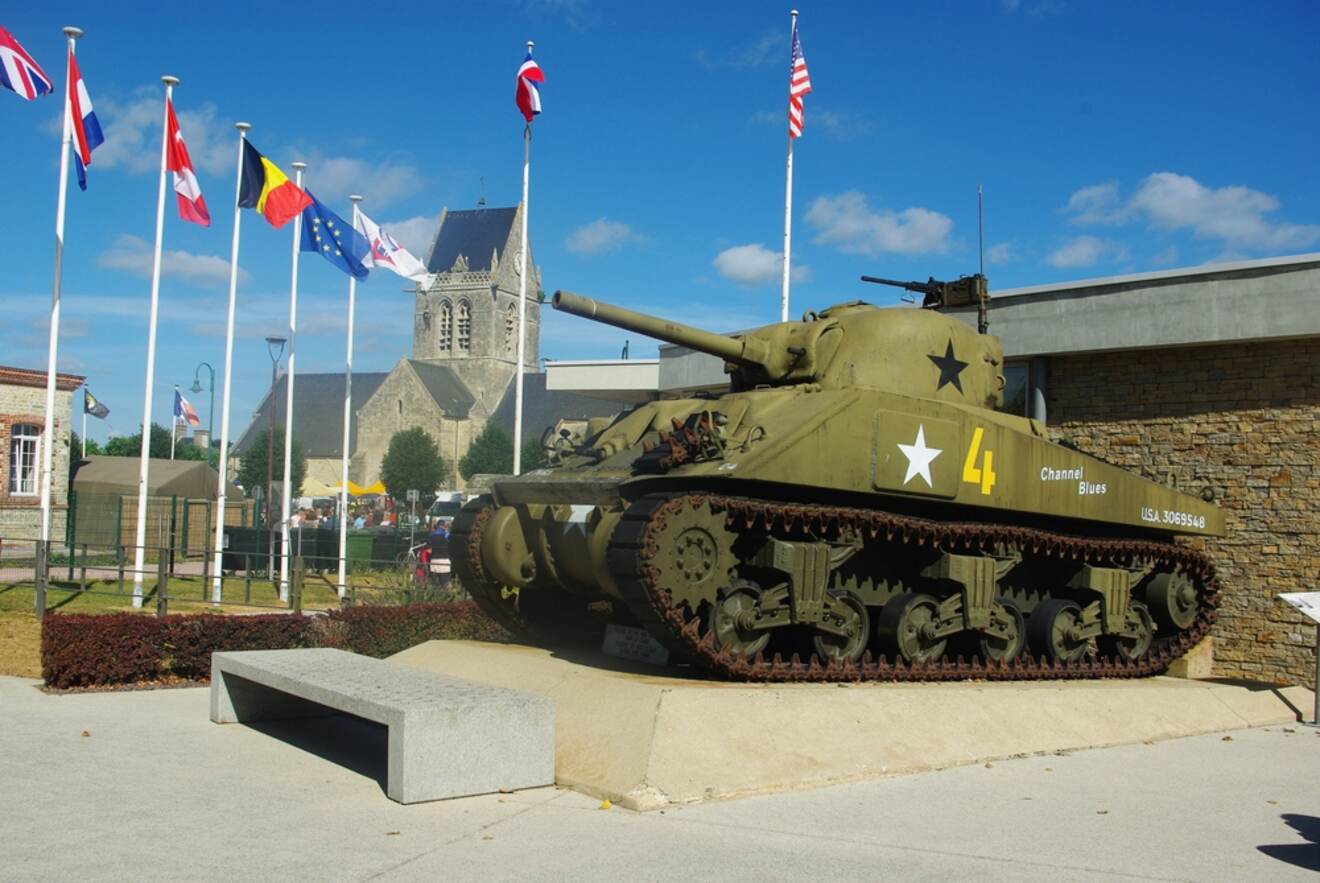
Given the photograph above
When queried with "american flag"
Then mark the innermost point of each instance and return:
(19, 71)
(799, 84)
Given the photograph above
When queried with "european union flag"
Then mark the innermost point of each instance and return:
(325, 232)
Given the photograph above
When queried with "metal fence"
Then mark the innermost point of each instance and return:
(382, 567)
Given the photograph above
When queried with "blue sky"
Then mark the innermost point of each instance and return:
(1110, 137)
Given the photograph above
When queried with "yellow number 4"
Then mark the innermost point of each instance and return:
(983, 475)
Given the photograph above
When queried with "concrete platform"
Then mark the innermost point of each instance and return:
(647, 741)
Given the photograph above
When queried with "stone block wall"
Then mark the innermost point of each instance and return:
(1243, 420)
(20, 515)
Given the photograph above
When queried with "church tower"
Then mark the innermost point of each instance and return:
(467, 318)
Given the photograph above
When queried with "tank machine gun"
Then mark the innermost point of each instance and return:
(854, 496)
(962, 292)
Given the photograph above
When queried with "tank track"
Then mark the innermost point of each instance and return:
(633, 545)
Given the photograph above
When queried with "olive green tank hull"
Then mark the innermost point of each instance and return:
(853, 503)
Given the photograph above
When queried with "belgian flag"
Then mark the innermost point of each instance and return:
(268, 190)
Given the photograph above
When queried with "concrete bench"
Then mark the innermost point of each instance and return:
(447, 737)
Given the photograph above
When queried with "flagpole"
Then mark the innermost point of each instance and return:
(217, 582)
(788, 212)
(48, 436)
(348, 416)
(139, 551)
(286, 490)
(84, 433)
(523, 270)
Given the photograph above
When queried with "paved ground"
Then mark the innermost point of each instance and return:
(142, 786)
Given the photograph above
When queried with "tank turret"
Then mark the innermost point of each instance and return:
(896, 349)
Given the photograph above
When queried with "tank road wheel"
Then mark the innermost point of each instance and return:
(730, 619)
(857, 624)
(907, 624)
(694, 556)
(1009, 645)
(1052, 630)
(1141, 628)
(1171, 597)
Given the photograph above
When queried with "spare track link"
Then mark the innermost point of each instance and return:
(633, 545)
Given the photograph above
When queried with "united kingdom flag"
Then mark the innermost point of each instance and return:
(19, 72)
(528, 95)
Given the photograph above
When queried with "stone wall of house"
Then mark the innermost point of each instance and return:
(1244, 421)
(402, 402)
(20, 515)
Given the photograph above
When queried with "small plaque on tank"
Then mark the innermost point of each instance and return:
(636, 644)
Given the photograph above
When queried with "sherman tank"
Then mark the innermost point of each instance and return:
(855, 506)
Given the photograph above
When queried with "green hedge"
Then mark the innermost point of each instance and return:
(80, 650)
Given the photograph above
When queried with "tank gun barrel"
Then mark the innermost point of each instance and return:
(740, 351)
(930, 287)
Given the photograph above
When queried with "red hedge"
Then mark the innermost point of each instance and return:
(80, 650)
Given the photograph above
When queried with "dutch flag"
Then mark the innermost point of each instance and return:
(86, 128)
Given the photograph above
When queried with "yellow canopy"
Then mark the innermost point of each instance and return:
(357, 490)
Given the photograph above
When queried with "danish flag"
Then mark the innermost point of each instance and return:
(528, 95)
(191, 205)
(19, 72)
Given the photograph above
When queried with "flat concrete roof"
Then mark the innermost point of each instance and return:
(616, 380)
(1240, 302)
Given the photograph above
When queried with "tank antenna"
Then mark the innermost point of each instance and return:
(980, 227)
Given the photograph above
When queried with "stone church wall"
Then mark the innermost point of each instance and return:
(1244, 420)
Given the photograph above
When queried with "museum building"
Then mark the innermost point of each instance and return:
(1207, 378)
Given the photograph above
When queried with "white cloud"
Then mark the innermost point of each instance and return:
(133, 254)
(754, 264)
(599, 236)
(1085, 251)
(1001, 253)
(333, 178)
(133, 132)
(839, 125)
(850, 225)
(1234, 215)
(766, 50)
(414, 234)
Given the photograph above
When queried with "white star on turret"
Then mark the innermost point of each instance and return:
(919, 458)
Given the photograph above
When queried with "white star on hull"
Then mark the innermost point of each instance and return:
(919, 458)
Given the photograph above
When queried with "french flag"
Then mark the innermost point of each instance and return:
(19, 71)
(183, 410)
(191, 205)
(86, 128)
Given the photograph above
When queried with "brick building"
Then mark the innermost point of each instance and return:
(22, 422)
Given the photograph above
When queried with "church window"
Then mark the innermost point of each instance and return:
(510, 329)
(464, 326)
(445, 332)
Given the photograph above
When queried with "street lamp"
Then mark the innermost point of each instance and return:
(196, 389)
(274, 346)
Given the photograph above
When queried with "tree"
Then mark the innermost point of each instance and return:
(412, 461)
(131, 446)
(252, 469)
(491, 451)
(75, 454)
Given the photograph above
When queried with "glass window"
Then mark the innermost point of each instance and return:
(463, 329)
(23, 459)
(1015, 389)
(445, 333)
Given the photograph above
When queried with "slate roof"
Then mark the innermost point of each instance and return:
(473, 233)
(318, 411)
(542, 407)
(445, 387)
